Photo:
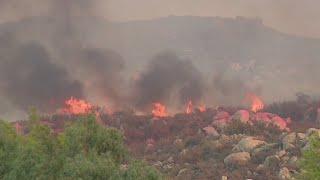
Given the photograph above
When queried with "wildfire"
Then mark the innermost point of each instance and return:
(159, 110)
(256, 103)
(189, 108)
(202, 108)
(77, 106)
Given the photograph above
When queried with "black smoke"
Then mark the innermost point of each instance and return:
(28, 77)
(232, 88)
(168, 75)
(102, 69)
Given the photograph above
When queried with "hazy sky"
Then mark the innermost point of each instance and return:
(293, 16)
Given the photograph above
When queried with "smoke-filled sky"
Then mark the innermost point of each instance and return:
(291, 16)
(210, 60)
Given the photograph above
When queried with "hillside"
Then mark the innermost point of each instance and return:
(240, 47)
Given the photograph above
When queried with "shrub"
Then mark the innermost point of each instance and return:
(85, 150)
(310, 163)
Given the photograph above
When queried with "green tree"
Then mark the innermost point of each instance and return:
(85, 150)
(8, 147)
(310, 163)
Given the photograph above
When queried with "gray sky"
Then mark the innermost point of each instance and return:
(293, 16)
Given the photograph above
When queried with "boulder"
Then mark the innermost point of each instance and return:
(182, 171)
(284, 174)
(260, 168)
(301, 136)
(248, 144)
(281, 153)
(242, 116)
(211, 131)
(290, 138)
(285, 158)
(265, 150)
(272, 162)
(170, 160)
(237, 159)
(313, 131)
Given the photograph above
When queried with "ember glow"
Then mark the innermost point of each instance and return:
(77, 106)
(159, 110)
(202, 108)
(256, 102)
(189, 108)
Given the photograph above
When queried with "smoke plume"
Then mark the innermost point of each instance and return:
(102, 71)
(29, 78)
(232, 88)
(167, 74)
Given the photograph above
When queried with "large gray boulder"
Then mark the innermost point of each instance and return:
(289, 141)
(265, 150)
(313, 131)
(211, 131)
(248, 144)
(290, 138)
(237, 159)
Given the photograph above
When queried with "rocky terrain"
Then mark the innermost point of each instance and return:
(215, 144)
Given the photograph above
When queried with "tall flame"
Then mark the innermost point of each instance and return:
(77, 106)
(189, 108)
(159, 110)
(256, 102)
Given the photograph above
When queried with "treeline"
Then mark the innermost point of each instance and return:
(85, 150)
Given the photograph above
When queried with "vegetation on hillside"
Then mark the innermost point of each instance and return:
(310, 163)
(85, 150)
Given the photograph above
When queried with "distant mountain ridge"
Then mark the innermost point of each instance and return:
(212, 43)
(202, 38)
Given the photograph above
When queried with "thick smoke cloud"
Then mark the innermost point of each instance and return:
(230, 87)
(29, 78)
(102, 70)
(58, 63)
(165, 75)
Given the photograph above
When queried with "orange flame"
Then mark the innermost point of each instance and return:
(202, 108)
(159, 110)
(77, 106)
(256, 103)
(189, 108)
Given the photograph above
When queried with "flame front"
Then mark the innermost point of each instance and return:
(189, 108)
(256, 103)
(202, 108)
(77, 106)
(159, 110)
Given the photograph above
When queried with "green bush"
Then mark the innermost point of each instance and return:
(85, 150)
(310, 163)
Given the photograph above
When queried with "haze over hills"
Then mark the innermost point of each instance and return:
(234, 55)
(204, 39)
